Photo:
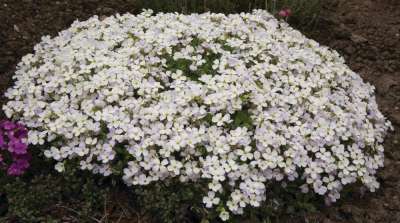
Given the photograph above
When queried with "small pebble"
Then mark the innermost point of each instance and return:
(16, 28)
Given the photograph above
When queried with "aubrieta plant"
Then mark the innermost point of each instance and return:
(14, 156)
(239, 102)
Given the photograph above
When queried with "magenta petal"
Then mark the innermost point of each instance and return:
(21, 133)
(12, 137)
(8, 125)
(18, 167)
(16, 146)
(23, 158)
(10, 134)
(23, 163)
(20, 126)
(21, 148)
(282, 13)
(14, 170)
(2, 143)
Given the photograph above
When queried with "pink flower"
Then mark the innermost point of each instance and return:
(285, 13)
(14, 170)
(8, 125)
(17, 147)
(12, 140)
(282, 13)
(1, 140)
(21, 132)
(18, 167)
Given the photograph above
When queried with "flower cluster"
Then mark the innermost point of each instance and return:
(238, 101)
(13, 146)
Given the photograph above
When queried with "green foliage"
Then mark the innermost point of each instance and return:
(184, 64)
(172, 201)
(28, 203)
(242, 119)
(50, 197)
(42, 195)
(78, 197)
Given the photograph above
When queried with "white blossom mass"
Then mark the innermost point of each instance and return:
(239, 101)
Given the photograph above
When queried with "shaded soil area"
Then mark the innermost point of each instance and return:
(366, 32)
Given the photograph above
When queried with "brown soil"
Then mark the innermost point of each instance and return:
(366, 32)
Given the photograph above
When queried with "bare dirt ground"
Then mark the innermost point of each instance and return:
(366, 32)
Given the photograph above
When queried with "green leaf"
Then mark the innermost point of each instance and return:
(208, 118)
(242, 119)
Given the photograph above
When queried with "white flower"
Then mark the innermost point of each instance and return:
(59, 167)
(210, 200)
(224, 215)
(220, 120)
(215, 186)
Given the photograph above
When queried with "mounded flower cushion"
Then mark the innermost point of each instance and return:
(239, 101)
